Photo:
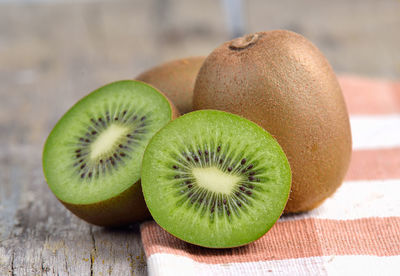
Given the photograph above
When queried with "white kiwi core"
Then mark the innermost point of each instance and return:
(107, 140)
(215, 180)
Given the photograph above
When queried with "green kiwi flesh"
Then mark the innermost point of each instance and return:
(92, 158)
(282, 82)
(176, 80)
(215, 179)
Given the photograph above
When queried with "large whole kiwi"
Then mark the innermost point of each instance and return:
(281, 81)
(176, 80)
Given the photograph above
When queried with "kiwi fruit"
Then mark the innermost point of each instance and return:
(215, 179)
(176, 80)
(92, 158)
(282, 82)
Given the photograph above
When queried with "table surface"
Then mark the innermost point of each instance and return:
(52, 53)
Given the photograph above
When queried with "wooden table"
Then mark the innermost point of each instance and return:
(53, 53)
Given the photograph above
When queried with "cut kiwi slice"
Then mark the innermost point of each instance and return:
(92, 157)
(215, 179)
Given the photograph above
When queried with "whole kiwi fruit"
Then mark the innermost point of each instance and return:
(176, 80)
(281, 81)
(93, 156)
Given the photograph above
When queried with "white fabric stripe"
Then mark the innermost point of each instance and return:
(358, 199)
(162, 264)
(374, 132)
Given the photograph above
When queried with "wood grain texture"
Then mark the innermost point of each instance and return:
(40, 237)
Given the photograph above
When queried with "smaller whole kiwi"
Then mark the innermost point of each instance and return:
(282, 82)
(176, 80)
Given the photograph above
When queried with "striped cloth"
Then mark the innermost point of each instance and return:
(355, 232)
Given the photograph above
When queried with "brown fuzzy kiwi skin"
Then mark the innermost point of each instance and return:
(176, 80)
(126, 208)
(123, 209)
(281, 81)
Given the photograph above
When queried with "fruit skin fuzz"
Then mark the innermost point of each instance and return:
(281, 81)
(176, 80)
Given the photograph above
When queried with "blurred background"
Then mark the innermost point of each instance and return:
(53, 52)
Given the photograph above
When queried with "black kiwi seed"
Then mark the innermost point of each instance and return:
(243, 161)
(251, 178)
(229, 169)
(250, 166)
(175, 167)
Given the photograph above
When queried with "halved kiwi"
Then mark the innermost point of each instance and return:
(215, 179)
(92, 158)
(176, 80)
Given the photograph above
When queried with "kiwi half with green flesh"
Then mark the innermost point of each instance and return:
(92, 158)
(215, 179)
(176, 80)
(282, 82)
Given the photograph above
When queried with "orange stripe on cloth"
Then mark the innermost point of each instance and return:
(290, 239)
(374, 164)
(366, 96)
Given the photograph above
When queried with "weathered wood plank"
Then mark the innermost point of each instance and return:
(40, 237)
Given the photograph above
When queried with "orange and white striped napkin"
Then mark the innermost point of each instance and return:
(355, 232)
